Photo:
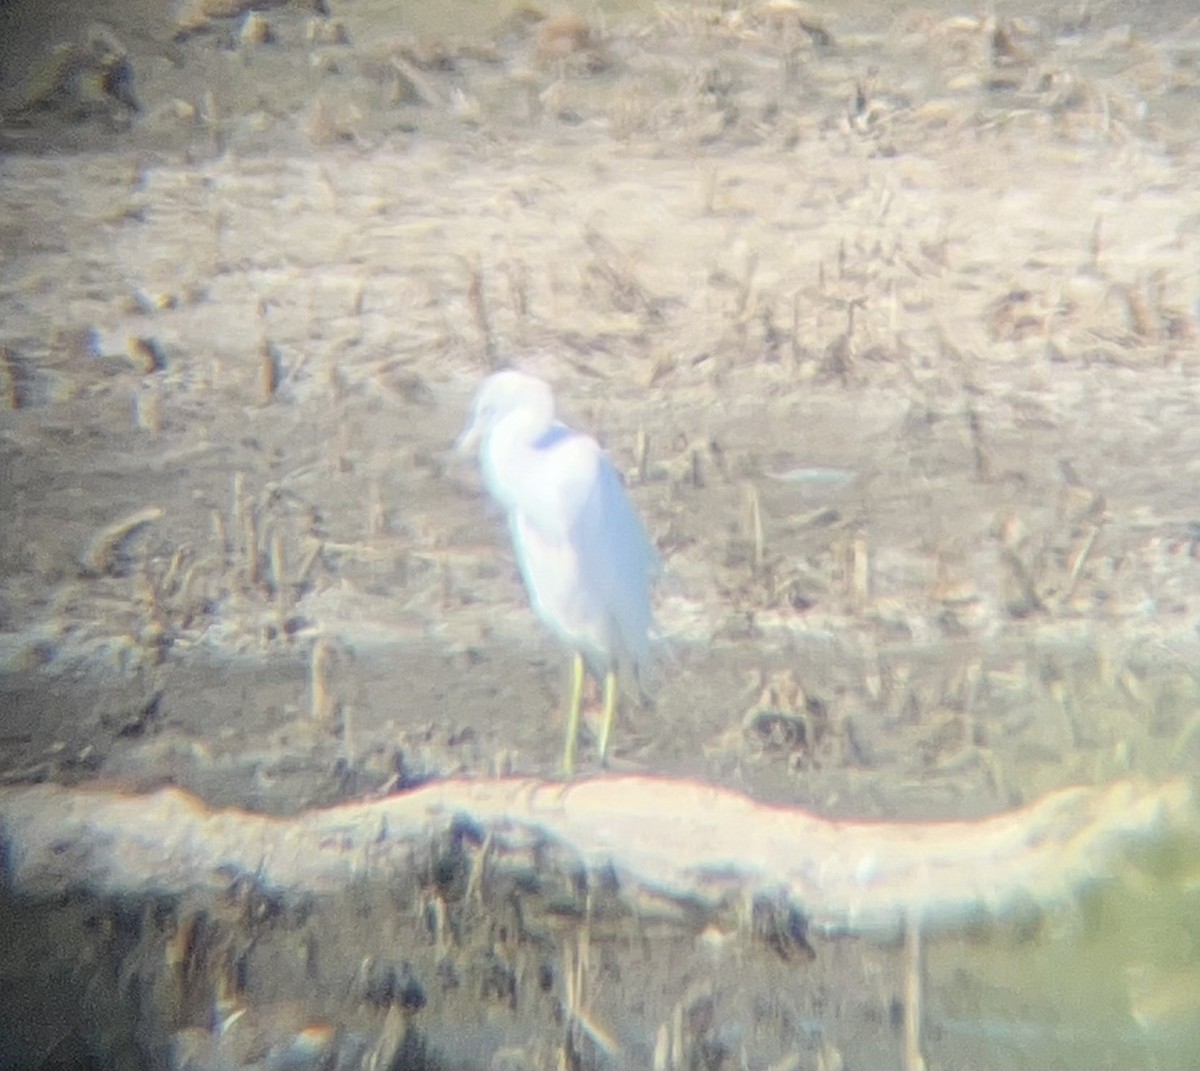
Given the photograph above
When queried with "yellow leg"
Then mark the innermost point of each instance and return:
(573, 715)
(610, 712)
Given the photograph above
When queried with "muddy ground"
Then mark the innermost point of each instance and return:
(889, 318)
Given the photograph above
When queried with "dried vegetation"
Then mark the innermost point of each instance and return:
(893, 332)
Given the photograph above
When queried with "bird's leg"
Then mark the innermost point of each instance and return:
(577, 673)
(610, 711)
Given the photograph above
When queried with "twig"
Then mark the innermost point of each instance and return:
(104, 553)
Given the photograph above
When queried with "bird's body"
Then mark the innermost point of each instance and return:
(583, 553)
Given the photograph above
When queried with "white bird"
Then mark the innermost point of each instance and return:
(587, 562)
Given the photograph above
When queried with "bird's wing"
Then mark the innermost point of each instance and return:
(585, 556)
(552, 488)
(617, 556)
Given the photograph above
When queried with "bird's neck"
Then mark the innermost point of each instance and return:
(511, 449)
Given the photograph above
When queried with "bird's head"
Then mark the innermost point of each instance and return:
(500, 396)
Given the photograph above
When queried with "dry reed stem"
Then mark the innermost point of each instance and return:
(377, 520)
(386, 1049)
(323, 703)
(277, 565)
(237, 504)
(219, 532)
(756, 529)
(860, 572)
(147, 410)
(642, 453)
(250, 548)
(477, 299)
(913, 970)
(668, 841)
(1079, 555)
(662, 1048)
(270, 371)
(10, 379)
(441, 946)
(478, 875)
(170, 583)
(308, 563)
(422, 87)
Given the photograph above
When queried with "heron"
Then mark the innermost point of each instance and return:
(584, 555)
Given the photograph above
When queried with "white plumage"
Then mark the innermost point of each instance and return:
(587, 562)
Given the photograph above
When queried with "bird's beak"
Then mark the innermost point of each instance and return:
(468, 441)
